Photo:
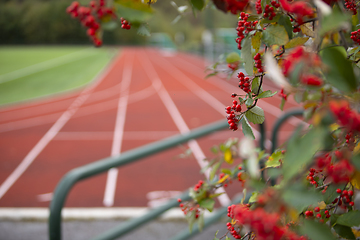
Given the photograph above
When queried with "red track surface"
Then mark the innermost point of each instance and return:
(85, 132)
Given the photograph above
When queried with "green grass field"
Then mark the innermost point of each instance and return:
(31, 72)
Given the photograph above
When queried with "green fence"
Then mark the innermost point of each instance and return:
(71, 178)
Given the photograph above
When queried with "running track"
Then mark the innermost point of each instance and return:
(143, 96)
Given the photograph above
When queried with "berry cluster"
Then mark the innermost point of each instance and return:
(244, 82)
(269, 12)
(263, 224)
(311, 80)
(88, 16)
(232, 120)
(345, 116)
(198, 185)
(232, 230)
(244, 27)
(125, 24)
(312, 178)
(351, 5)
(349, 138)
(344, 197)
(235, 6)
(258, 63)
(233, 66)
(355, 36)
(188, 208)
(258, 7)
(282, 94)
(311, 213)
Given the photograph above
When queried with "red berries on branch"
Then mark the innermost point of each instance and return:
(355, 36)
(244, 27)
(351, 6)
(91, 16)
(125, 24)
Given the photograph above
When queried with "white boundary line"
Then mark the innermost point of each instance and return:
(111, 180)
(180, 123)
(51, 133)
(71, 57)
(87, 214)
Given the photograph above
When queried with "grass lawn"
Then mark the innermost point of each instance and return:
(31, 72)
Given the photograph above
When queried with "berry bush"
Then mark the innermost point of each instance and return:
(307, 188)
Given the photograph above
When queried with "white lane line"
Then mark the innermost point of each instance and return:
(85, 111)
(224, 85)
(180, 122)
(51, 133)
(98, 136)
(71, 57)
(111, 180)
(88, 214)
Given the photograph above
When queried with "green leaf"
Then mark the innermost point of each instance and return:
(256, 41)
(349, 219)
(136, 14)
(265, 94)
(254, 196)
(109, 26)
(198, 4)
(249, 102)
(275, 35)
(333, 21)
(144, 30)
(340, 73)
(298, 196)
(273, 160)
(255, 115)
(207, 203)
(201, 222)
(246, 55)
(356, 161)
(246, 128)
(226, 171)
(316, 231)
(344, 231)
(301, 149)
(255, 85)
(213, 170)
(233, 57)
(299, 41)
(284, 20)
(282, 104)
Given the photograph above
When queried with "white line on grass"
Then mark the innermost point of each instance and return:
(71, 57)
(118, 132)
(51, 133)
(180, 122)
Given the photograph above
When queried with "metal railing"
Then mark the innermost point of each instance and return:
(72, 177)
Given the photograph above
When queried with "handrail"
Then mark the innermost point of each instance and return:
(72, 177)
(81, 173)
(279, 122)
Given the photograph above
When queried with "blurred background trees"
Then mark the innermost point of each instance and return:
(46, 22)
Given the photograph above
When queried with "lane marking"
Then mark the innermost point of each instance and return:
(128, 135)
(51, 133)
(71, 57)
(45, 197)
(87, 214)
(180, 122)
(85, 111)
(111, 180)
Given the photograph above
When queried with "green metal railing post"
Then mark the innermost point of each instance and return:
(278, 124)
(80, 173)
